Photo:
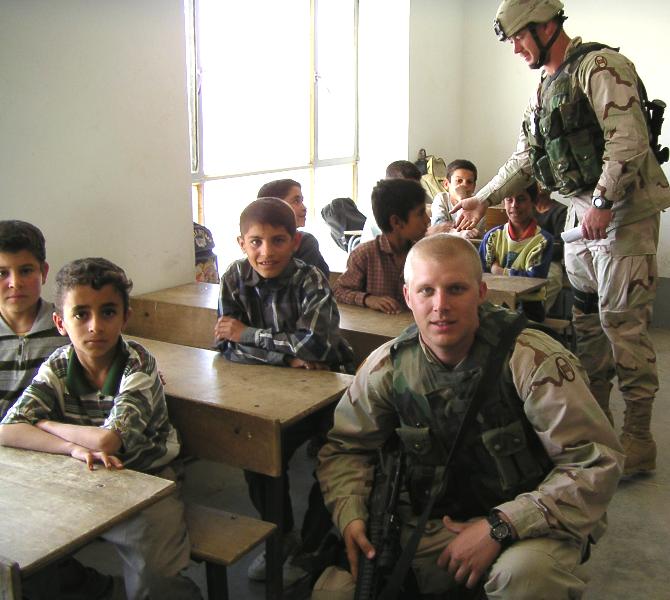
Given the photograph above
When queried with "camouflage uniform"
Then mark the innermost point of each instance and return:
(615, 277)
(554, 518)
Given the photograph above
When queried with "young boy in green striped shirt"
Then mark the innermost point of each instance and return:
(100, 399)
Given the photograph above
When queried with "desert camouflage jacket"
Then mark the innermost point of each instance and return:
(571, 500)
(631, 176)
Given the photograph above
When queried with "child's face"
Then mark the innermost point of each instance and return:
(268, 248)
(21, 280)
(462, 183)
(519, 209)
(297, 203)
(416, 225)
(94, 320)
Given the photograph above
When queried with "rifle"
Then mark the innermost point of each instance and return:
(654, 110)
(383, 526)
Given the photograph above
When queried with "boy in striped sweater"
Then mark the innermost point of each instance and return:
(520, 247)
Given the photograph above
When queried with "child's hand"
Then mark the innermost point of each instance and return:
(385, 304)
(90, 457)
(496, 269)
(228, 328)
(310, 365)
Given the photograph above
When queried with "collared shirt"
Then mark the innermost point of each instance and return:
(371, 270)
(570, 502)
(21, 355)
(292, 315)
(131, 403)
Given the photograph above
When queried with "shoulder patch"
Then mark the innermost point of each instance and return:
(601, 61)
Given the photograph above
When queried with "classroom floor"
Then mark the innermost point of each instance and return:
(631, 561)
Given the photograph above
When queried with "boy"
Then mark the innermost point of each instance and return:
(27, 332)
(27, 337)
(398, 169)
(290, 192)
(521, 248)
(279, 311)
(100, 399)
(374, 270)
(460, 183)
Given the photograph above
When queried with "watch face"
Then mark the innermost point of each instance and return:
(500, 531)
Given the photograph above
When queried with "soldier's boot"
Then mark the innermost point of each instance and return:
(636, 439)
(601, 391)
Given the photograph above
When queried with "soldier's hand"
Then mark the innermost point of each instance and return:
(472, 211)
(595, 223)
(471, 552)
(355, 540)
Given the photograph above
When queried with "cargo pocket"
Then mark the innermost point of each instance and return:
(585, 154)
(508, 448)
(415, 440)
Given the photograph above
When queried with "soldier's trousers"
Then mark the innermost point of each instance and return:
(527, 570)
(612, 336)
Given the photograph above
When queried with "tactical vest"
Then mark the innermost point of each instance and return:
(565, 138)
(501, 456)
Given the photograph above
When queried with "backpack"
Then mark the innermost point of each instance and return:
(206, 265)
(342, 215)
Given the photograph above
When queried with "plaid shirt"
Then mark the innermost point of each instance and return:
(22, 355)
(371, 270)
(131, 403)
(293, 315)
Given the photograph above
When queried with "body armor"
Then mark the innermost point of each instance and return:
(565, 138)
(501, 455)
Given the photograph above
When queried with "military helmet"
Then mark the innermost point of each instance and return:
(514, 15)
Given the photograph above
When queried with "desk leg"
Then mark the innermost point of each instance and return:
(10, 580)
(273, 553)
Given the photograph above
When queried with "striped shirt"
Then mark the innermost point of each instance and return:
(528, 256)
(292, 315)
(22, 355)
(131, 403)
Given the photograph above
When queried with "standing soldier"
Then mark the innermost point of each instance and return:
(585, 134)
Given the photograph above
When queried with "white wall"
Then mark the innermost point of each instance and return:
(435, 75)
(94, 132)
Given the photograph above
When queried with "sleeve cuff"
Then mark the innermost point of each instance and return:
(351, 509)
(249, 335)
(528, 520)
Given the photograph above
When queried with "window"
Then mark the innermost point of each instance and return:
(273, 94)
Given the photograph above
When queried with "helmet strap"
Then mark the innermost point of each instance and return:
(543, 49)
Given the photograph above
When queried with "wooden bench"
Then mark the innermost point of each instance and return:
(219, 539)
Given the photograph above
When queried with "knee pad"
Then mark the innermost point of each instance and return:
(587, 302)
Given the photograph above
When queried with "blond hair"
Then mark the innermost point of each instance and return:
(443, 247)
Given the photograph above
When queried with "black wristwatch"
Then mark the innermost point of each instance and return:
(501, 530)
(602, 203)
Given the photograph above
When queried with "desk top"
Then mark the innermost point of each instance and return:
(235, 413)
(265, 391)
(367, 320)
(516, 285)
(51, 505)
(196, 294)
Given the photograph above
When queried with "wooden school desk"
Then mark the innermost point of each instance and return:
(51, 505)
(235, 414)
(505, 290)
